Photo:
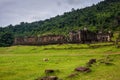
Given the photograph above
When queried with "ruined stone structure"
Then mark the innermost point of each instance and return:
(51, 39)
(43, 40)
(81, 36)
(104, 37)
(25, 41)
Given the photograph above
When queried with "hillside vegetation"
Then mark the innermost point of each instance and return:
(103, 16)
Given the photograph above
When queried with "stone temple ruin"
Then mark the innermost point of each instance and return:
(86, 36)
(80, 36)
(104, 37)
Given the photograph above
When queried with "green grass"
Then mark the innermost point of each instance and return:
(26, 62)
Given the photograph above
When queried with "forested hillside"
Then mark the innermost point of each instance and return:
(103, 16)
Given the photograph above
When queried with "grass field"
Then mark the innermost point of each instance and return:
(26, 62)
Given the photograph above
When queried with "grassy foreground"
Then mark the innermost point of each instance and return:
(26, 62)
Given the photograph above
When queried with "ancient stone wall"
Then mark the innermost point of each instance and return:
(51, 39)
(73, 37)
(25, 41)
(30, 40)
(81, 36)
(18, 41)
(104, 37)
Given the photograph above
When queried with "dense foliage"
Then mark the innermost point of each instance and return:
(6, 39)
(103, 16)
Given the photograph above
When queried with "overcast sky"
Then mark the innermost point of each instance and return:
(16, 11)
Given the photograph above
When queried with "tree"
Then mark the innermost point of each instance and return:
(6, 39)
(72, 9)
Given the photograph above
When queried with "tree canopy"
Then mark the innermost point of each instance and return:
(6, 39)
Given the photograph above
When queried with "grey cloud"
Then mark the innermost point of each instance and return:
(81, 2)
(16, 11)
(74, 1)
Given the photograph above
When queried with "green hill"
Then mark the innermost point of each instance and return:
(103, 16)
